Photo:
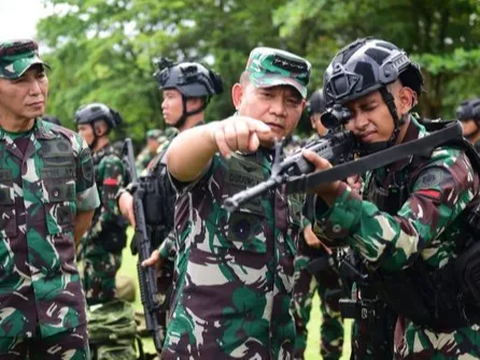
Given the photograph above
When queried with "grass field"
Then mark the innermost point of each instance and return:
(129, 268)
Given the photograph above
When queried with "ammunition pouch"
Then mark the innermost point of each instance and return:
(442, 299)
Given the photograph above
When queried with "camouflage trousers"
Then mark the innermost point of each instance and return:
(99, 276)
(71, 344)
(332, 326)
(164, 284)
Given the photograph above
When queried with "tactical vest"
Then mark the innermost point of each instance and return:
(439, 299)
(159, 200)
(113, 236)
(58, 180)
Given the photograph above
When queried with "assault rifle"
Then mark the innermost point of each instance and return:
(336, 148)
(297, 173)
(146, 275)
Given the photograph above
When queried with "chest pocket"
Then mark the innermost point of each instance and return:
(58, 186)
(245, 228)
(8, 218)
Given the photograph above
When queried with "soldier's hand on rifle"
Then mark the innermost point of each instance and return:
(240, 133)
(310, 238)
(154, 259)
(327, 192)
(125, 203)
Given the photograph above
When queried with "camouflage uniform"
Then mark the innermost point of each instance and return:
(46, 177)
(240, 263)
(326, 284)
(101, 261)
(143, 159)
(234, 271)
(41, 190)
(428, 228)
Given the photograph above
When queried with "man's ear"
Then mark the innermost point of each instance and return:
(237, 95)
(99, 128)
(407, 99)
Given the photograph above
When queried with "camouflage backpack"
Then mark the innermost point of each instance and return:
(113, 331)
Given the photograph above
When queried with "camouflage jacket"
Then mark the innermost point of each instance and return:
(143, 159)
(41, 191)
(429, 225)
(109, 175)
(233, 272)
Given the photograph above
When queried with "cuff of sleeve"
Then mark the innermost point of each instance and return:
(164, 249)
(344, 214)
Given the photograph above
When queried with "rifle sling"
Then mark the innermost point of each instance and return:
(423, 146)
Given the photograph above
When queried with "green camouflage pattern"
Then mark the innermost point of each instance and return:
(305, 287)
(428, 225)
(143, 159)
(269, 67)
(101, 265)
(112, 330)
(234, 272)
(40, 194)
(71, 344)
(17, 56)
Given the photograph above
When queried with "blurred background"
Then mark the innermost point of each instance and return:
(103, 50)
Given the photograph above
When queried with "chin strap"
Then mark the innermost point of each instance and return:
(185, 114)
(387, 97)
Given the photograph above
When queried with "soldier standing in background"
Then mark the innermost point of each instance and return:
(105, 239)
(187, 89)
(314, 271)
(155, 138)
(47, 198)
(468, 112)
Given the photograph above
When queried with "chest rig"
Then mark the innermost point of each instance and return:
(440, 299)
(159, 200)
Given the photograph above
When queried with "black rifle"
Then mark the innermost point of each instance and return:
(336, 148)
(297, 173)
(374, 319)
(146, 275)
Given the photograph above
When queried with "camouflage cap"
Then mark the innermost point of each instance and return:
(17, 56)
(269, 67)
(154, 133)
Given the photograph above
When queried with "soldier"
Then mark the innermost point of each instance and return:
(468, 112)
(105, 239)
(234, 272)
(47, 198)
(187, 89)
(51, 119)
(314, 272)
(414, 227)
(155, 138)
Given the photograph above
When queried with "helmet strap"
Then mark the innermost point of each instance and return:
(387, 97)
(185, 114)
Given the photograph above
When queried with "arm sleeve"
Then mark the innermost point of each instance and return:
(87, 193)
(441, 191)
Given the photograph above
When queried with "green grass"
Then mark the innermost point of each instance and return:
(129, 267)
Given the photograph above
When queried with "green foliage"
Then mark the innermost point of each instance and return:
(104, 50)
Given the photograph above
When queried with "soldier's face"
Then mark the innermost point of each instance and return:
(152, 145)
(172, 106)
(24, 98)
(280, 107)
(317, 125)
(86, 132)
(371, 121)
(469, 127)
